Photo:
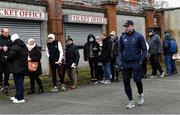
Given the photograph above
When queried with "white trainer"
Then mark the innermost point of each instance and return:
(19, 101)
(162, 75)
(12, 98)
(141, 99)
(130, 105)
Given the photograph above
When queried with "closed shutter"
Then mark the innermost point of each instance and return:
(79, 32)
(25, 29)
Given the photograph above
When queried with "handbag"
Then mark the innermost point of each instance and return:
(32, 66)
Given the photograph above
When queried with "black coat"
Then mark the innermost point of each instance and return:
(71, 55)
(87, 47)
(35, 55)
(17, 57)
(4, 41)
(106, 50)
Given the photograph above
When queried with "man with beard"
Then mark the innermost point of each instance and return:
(5, 43)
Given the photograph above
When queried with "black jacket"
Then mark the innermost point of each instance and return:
(53, 51)
(71, 55)
(106, 50)
(91, 46)
(4, 42)
(17, 57)
(35, 55)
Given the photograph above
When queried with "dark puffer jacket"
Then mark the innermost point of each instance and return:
(131, 48)
(94, 46)
(17, 57)
(71, 55)
(35, 55)
(53, 51)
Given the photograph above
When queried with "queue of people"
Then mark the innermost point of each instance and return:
(107, 55)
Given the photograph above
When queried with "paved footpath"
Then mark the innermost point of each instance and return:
(162, 96)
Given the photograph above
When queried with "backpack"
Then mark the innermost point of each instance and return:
(172, 46)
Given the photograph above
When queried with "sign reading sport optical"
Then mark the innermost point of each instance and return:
(22, 14)
(85, 19)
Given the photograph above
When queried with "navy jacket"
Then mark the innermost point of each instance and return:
(131, 48)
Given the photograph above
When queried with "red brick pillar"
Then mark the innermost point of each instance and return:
(149, 19)
(55, 19)
(111, 16)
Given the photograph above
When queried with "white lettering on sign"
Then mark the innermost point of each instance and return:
(88, 19)
(22, 14)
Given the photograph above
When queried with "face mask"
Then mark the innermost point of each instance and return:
(91, 39)
(113, 37)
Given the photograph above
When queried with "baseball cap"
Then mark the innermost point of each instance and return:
(128, 22)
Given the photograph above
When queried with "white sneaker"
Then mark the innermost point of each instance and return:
(12, 98)
(63, 88)
(153, 76)
(130, 105)
(55, 89)
(107, 82)
(141, 99)
(162, 75)
(19, 101)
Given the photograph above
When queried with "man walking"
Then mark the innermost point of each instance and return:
(5, 42)
(131, 53)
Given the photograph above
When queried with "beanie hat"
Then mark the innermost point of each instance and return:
(14, 37)
(51, 36)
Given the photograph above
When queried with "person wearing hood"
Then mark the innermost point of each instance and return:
(169, 62)
(54, 51)
(72, 59)
(114, 70)
(5, 42)
(155, 49)
(34, 55)
(17, 65)
(91, 50)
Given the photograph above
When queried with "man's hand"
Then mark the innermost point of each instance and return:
(73, 65)
(1, 47)
(5, 48)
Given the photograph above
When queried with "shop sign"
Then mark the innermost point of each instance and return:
(24, 14)
(85, 19)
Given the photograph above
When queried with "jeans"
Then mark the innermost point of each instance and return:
(19, 84)
(170, 64)
(107, 70)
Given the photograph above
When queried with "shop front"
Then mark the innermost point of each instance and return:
(29, 21)
(78, 26)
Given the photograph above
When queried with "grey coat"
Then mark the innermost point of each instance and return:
(155, 45)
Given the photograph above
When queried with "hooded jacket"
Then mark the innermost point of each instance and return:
(91, 48)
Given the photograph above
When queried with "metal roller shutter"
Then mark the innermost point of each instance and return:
(79, 32)
(25, 29)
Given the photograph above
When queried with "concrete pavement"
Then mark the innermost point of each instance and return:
(162, 96)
